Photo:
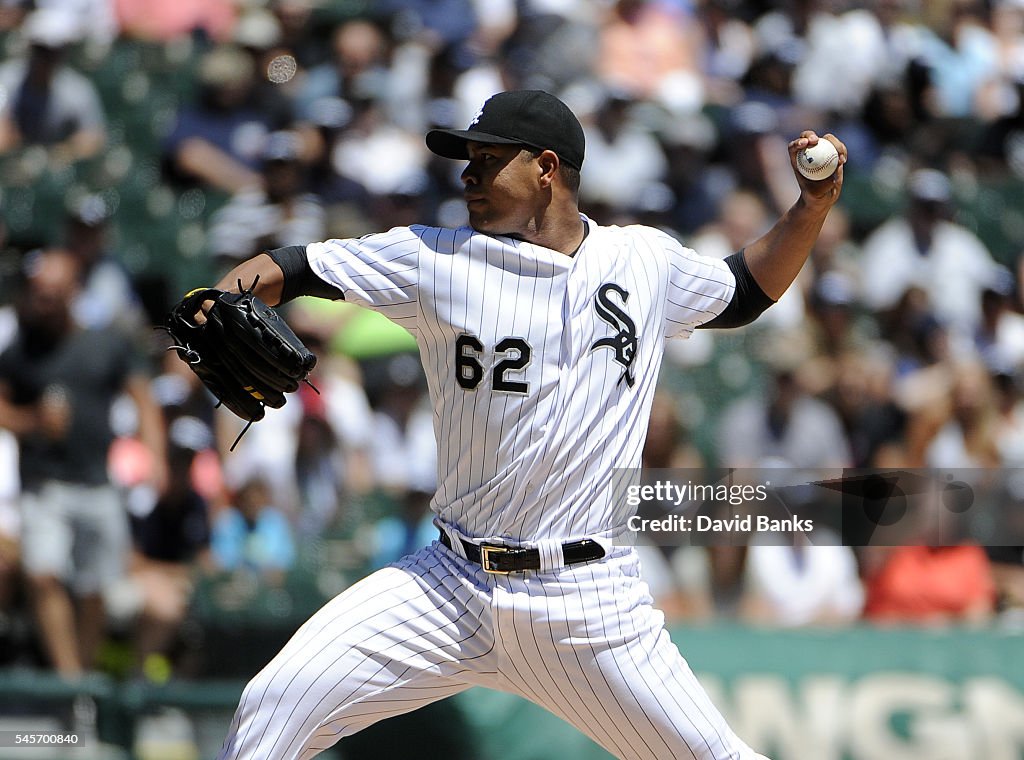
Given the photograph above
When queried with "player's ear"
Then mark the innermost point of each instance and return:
(548, 163)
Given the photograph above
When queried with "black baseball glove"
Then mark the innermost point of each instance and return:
(243, 352)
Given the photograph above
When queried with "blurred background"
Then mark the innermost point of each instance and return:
(148, 145)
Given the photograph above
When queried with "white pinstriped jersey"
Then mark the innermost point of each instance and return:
(541, 367)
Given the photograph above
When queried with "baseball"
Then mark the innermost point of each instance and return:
(818, 161)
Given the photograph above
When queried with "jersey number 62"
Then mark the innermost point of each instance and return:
(469, 372)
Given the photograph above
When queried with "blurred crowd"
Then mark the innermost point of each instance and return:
(900, 346)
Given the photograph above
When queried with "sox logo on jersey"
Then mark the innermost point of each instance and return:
(624, 342)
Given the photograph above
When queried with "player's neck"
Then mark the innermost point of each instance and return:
(562, 232)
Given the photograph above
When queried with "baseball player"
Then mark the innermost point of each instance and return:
(541, 333)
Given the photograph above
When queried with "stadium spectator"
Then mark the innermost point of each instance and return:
(669, 443)
(786, 425)
(831, 314)
(169, 544)
(180, 393)
(999, 339)
(1010, 425)
(298, 33)
(697, 184)
(496, 22)
(924, 247)
(433, 24)
(960, 428)
(742, 213)
(960, 55)
(756, 123)
(320, 466)
(892, 122)
(649, 49)
(553, 46)
(1001, 148)
(861, 394)
(277, 75)
(994, 95)
(920, 342)
(624, 158)
(275, 213)
(46, 101)
(832, 327)
(835, 250)
(791, 583)
(928, 585)
(1007, 556)
(728, 49)
(360, 51)
(253, 535)
(12, 14)
(924, 569)
(400, 450)
(217, 141)
(376, 154)
(408, 199)
(57, 385)
(107, 296)
(903, 35)
(343, 197)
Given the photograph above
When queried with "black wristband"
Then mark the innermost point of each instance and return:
(299, 277)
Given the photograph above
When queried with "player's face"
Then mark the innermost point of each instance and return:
(501, 189)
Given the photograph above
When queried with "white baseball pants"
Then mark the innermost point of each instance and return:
(583, 642)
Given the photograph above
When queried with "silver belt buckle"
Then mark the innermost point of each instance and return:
(485, 558)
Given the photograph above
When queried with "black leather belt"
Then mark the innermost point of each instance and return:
(514, 559)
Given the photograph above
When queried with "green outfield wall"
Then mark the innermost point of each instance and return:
(851, 694)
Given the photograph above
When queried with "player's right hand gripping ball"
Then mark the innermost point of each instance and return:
(819, 161)
(243, 352)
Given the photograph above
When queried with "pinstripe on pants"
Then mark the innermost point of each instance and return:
(583, 642)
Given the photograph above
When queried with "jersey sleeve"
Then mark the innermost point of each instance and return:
(699, 288)
(380, 271)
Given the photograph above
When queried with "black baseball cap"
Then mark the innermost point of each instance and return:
(533, 118)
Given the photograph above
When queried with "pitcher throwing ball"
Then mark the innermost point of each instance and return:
(541, 333)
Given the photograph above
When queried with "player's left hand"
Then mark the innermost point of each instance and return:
(244, 353)
(823, 191)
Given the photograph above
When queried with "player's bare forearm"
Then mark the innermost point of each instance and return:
(268, 285)
(776, 258)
